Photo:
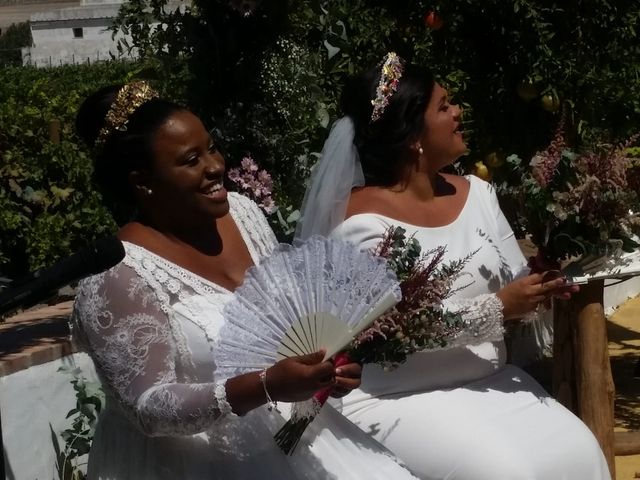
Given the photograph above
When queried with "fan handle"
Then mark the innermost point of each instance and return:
(385, 304)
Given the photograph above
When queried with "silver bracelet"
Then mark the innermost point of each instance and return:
(271, 405)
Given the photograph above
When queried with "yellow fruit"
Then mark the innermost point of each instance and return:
(481, 171)
(550, 102)
(494, 160)
(526, 91)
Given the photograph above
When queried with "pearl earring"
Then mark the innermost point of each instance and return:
(420, 150)
(148, 191)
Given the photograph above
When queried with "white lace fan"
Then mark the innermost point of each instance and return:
(316, 294)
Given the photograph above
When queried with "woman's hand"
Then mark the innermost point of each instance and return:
(298, 378)
(347, 379)
(565, 291)
(291, 380)
(523, 295)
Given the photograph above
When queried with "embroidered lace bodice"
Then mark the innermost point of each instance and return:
(135, 319)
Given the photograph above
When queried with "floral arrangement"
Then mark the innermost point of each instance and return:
(575, 204)
(289, 83)
(255, 183)
(418, 322)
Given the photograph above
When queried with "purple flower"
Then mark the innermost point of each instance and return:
(254, 183)
(249, 165)
(544, 164)
(234, 175)
(265, 179)
(268, 205)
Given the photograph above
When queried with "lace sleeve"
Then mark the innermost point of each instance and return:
(119, 320)
(482, 316)
(260, 238)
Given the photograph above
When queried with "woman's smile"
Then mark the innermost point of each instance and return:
(215, 191)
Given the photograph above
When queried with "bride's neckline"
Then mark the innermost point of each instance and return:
(169, 265)
(182, 271)
(461, 213)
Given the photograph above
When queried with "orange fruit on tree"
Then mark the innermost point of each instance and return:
(433, 20)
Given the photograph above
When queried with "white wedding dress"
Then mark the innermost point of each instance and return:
(151, 328)
(462, 413)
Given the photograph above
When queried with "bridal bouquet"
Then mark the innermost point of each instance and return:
(418, 322)
(575, 204)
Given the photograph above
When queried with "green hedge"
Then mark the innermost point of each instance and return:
(47, 206)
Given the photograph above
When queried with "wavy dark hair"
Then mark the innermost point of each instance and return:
(122, 152)
(383, 145)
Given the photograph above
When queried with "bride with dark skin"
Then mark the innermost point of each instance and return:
(184, 218)
(151, 323)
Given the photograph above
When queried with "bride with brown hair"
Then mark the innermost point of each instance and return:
(461, 412)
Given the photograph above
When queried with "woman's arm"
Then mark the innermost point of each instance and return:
(121, 323)
(123, 326)
(483, 315)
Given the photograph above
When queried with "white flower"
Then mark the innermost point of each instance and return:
(559, 212)
(535, 161)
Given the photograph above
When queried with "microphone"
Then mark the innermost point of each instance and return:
(41, 284)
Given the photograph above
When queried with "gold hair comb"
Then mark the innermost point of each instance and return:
(129, 99)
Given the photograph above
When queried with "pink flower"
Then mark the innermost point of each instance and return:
(245, 183)
(265, 179)
(268, 205)
(249, 164)
(545, 163)
(234, 175)
(254, 183)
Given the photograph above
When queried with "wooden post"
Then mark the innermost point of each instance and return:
(564, 383)
(54, 130)
(627, 443)
(582, 378)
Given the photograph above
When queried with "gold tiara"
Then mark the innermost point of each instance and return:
(390, 75)
(128, 100)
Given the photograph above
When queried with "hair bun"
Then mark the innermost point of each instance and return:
(92, 113)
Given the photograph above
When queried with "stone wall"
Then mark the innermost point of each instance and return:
(73, 35)
(34, 401)
(57, 46)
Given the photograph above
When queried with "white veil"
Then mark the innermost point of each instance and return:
(338, 170)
